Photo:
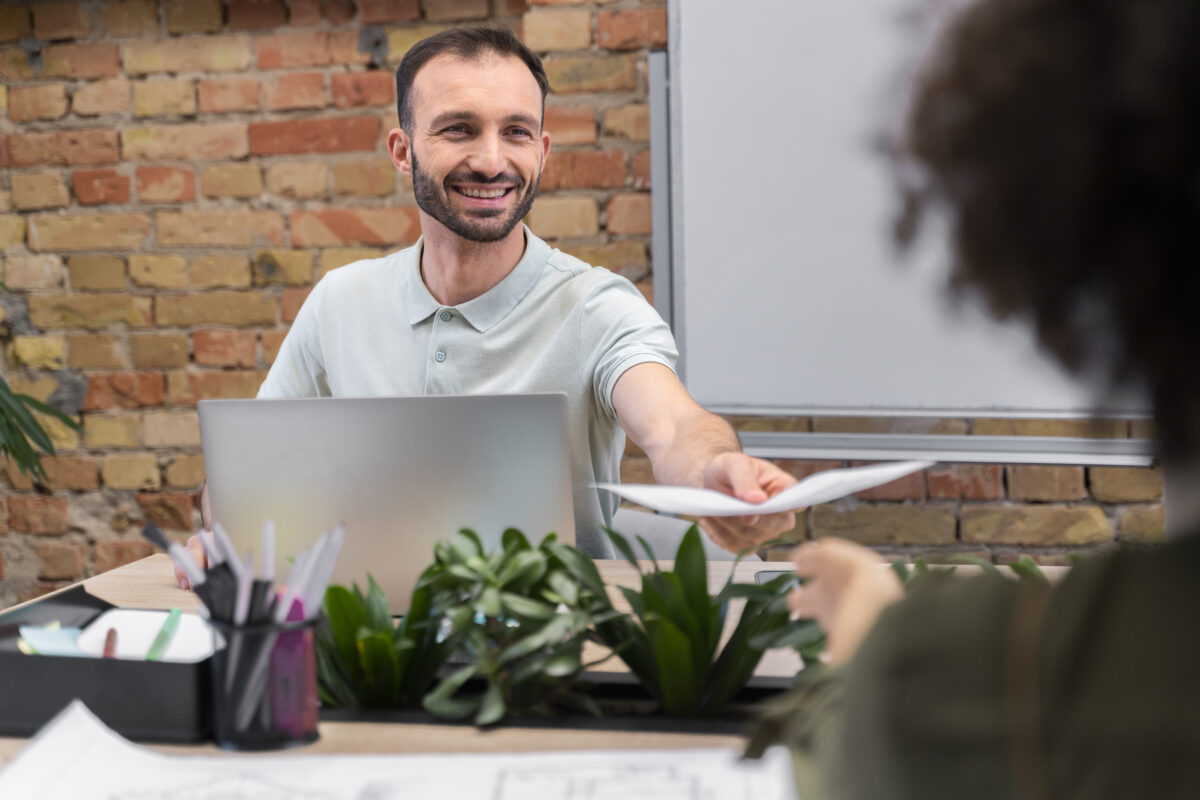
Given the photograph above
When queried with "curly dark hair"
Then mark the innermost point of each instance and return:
(1062, 137)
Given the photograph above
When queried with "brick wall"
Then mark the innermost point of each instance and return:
(175, 175)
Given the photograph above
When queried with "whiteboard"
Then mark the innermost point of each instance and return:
(788, 294)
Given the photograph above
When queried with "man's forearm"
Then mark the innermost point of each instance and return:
(680, 460)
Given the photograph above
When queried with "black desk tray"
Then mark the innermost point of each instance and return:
(151, 701)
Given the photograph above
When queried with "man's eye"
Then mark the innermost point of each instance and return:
(519, 132)
(455, 129)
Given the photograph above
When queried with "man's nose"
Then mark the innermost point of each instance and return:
(486, 157)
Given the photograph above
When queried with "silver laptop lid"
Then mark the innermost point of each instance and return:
(400, 473)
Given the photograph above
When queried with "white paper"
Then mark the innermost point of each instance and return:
(104, 765)
(821, 487)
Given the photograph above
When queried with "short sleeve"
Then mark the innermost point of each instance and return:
(619, 330)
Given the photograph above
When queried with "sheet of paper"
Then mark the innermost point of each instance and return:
(136, 629)
(105, 765)
(819, 488)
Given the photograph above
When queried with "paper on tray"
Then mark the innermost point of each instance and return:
(819, 488)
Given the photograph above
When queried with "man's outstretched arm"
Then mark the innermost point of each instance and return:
(689, 446)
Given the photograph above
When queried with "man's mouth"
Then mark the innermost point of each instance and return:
(479, 193)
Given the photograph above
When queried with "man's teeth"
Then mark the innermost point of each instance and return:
(487, 194)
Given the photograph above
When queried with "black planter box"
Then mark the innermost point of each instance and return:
(623, 701)
(152, 701)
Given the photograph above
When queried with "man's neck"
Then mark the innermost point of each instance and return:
(456, 270)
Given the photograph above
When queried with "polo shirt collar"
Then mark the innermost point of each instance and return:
(490, 307)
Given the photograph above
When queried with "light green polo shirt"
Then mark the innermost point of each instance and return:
(553, 324)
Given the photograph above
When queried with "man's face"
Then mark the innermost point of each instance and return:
(477, 148)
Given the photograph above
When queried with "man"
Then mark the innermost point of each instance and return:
(481, 304)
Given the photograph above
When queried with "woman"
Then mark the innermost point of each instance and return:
(1062, 138)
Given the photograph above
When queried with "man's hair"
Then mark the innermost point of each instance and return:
(1063, 140)
(469, 42)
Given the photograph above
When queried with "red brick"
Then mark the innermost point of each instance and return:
(215, 140)
(81, 61)
(235, 309)
(388, 10)
(45, 516)
(966, 482)
(571, 124)
(309, 49)
(63, 147)
(112, 554)
(290, 302)
(64, 20)
(224, 348)
(228, 94)
(245, 14)
(353, 89)
(123, 390)
(629, 213)
(1038, 482)
(271, 342)
(61, 561)
(802, 469)
(304, 12)
(41, 588)
(341, 226)
(170, 510)
(641, 170)
(45, 101)
(629, 30)
(88, 231)
(313, 135)
(129, 18)
(453, 10)
(166, 185)
(374, 177)
(187, 388)
(62, 472)
(585, 169)
(193, 16)
(296, 90)
(227, 53)
(99, 186)
(109, 96)
(337, 11)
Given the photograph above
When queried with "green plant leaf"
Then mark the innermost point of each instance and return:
(1027, 569)
(491, 706)
(675, 680)
(379, 613)
(985, 565)
(381, 669)
(465, 544)
(580, 566)
(563, 664)
(335, 686)
(524, 570)
(346, 615)
(622, 545)
(513, 539)
(525, 607)
(489, 602)
(440, 702)
(564, 587)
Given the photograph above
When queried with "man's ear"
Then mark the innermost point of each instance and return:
(545, 147)
(400, 149)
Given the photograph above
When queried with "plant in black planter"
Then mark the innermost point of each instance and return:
(672, 640)
(365, 660)
(520, 620)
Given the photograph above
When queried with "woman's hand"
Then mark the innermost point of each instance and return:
(847, 587)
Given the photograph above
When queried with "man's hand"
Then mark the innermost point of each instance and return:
(752, 480)
(848, 587)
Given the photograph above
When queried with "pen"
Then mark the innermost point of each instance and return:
(178, 554)
(110, 643)
(165, 634)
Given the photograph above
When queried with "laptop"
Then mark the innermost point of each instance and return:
(400, 473)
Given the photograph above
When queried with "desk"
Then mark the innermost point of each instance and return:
(149, 584)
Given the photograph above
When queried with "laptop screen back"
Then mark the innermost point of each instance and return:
(399, 473)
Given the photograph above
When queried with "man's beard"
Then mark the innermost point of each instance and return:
(483, 228)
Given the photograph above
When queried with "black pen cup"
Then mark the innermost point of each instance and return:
(264, 685)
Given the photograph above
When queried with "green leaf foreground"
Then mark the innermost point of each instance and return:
(520, 617)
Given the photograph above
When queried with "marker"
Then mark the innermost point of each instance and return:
(165, 634)
(110, 643)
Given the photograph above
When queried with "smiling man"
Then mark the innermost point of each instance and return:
(482, 305)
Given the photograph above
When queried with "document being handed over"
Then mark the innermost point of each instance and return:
(819, 488)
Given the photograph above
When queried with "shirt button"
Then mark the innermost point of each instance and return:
(446, 315)
(439, 356)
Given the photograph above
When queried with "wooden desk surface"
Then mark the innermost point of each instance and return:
(149, 583)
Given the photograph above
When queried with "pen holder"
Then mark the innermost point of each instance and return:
(264, 685)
